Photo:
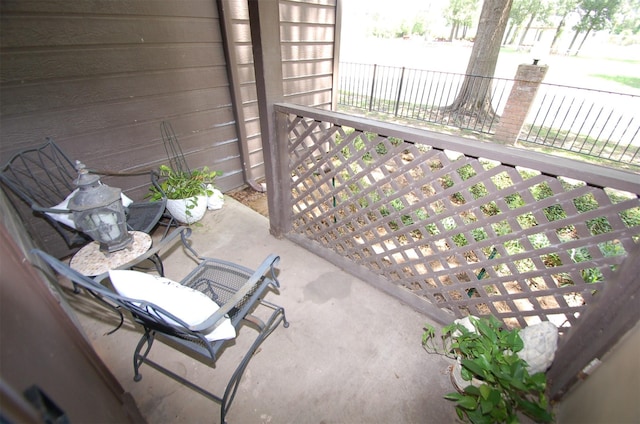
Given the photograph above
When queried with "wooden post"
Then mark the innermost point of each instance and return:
(264, 19)
(616, 311)
(523, 93)
(225, 13)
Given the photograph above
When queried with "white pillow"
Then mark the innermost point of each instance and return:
(64, 218)
(67, 218)
(189, 305)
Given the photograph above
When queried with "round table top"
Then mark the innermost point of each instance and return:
(91, 261)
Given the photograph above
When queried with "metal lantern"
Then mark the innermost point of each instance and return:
(98, 211)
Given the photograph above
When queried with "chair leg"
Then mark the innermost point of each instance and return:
(264, 330)
(138, 359)
(157, 264)
(157, 261)
(276, 318)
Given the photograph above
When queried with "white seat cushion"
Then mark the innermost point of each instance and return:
(189, 305)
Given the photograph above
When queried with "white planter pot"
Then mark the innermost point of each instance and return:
(458, 382)
(179, 208)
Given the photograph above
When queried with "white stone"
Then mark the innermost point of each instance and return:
(216, 200)
(466, 323)
(540, 344)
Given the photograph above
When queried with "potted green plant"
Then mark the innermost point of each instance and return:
(186, 192)
(498, 383)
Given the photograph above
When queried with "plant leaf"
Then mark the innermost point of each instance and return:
(453, 396)
(535, 411)
(485, 391)
(473, 366)
(486, 406)
(468, 402)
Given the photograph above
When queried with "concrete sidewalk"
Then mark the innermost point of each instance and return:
(351, 354)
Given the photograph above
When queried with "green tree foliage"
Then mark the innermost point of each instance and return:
(520, 11)
(385, 29)
(562, 9)
(595, 15)
(459, 13)
(628, 18)
(529, 11)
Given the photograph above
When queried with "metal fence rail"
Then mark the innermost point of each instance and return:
(451, 226)
(417, 94)
(592, 122)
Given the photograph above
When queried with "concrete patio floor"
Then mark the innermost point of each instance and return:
(351, 354)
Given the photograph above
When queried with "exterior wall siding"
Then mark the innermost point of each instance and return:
(307, 36)
(240, 42)
(100, 76)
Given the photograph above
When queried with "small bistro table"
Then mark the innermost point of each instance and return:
(90, 261)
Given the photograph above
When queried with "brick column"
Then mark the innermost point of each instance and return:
(525, 87)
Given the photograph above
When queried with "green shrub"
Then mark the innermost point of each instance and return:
(488, 355)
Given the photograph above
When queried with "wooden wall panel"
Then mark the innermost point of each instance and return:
(244, 73)
(298, 68)
(99, 76)
(308, 11)
(295, 32)
(93, 30)
(29, 66)
(71, 93)
(184, 8)
(321, 100)
(313, 83)
(307, 32)
(298, 51)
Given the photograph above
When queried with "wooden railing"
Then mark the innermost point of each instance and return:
(455, 227)
(452, 226)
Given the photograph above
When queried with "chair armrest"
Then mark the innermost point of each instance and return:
(38, 208)
(267, 265)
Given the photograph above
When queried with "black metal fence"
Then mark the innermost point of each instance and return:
(592, 122)
(418, 94)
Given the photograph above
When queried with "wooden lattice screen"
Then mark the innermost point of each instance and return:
(459, 229)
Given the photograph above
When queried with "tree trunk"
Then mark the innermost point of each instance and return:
(506, 37)
(516, 31)
(474, 98)
(453, 30)
(526, 29)
(573, 40)
(582, 43)
(558, 33)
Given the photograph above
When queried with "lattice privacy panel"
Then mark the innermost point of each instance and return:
(469, 235)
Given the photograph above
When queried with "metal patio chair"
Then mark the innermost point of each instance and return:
(44, 177)
(238, 291)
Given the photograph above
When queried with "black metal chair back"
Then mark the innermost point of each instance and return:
(44, 176)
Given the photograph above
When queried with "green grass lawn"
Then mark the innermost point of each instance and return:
(633, 82)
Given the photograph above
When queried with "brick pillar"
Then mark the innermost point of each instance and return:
(525, 87)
